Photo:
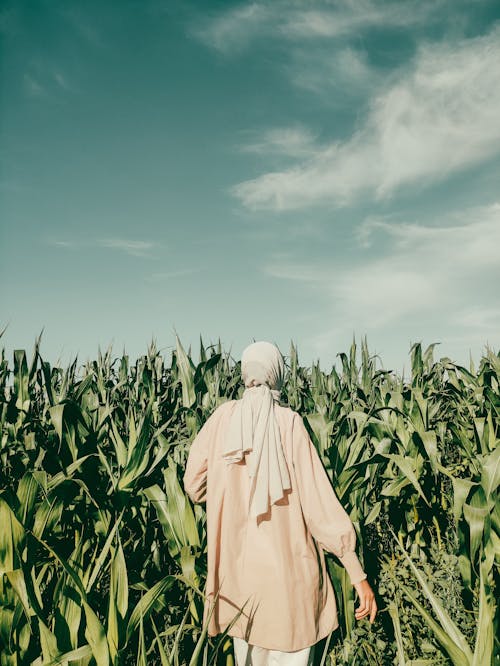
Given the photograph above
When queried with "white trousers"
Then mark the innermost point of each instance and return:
(252, 655)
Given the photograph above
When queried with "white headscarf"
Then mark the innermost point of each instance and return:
(253, 428)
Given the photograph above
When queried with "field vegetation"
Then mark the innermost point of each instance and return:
(103, 557)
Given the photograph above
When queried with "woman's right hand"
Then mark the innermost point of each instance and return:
(367, 603)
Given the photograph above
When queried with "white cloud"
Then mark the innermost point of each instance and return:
(349, 16)
(46, 79)
(62, 81)
(234, 29)
(469, 239)
(137, 248)
(336, 74)
(295, 141)
(446, 271)
(63, 243)
(437, 118)
(483, 318)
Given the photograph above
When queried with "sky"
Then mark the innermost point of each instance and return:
(314, 172)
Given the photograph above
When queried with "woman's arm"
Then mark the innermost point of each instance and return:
(326, 518)
(195, 474)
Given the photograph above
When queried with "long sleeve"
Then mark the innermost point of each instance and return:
(195, 474)
(326, 518)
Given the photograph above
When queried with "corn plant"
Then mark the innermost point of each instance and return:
(103, 557)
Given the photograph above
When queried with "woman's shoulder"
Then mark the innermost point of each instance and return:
(224, 407)
(284, 406)
(228, 405)
(217, 415)
(287, 412)
(294, 420)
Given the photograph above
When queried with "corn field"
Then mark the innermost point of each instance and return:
(103, 557)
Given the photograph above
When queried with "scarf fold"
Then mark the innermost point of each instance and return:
(254, 431)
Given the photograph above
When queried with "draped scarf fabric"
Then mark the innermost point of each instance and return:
(253, 429)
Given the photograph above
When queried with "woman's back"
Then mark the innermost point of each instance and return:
(275, 563)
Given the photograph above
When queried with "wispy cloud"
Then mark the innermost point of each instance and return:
(32, 87)
(46, 79)
(233, 30)
(137, 248)
(482, 318)
(62, 81)
(438, 117)
(468, 239)
(446, 271)
(346, 17)
(295, 142)
(168, 275)
(327, 71)
(64, 243)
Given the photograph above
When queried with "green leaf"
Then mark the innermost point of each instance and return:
(11, 535)
(57, 414)
(429, 441)
(48, 642)
(138, 454)
(406, 465)
(146, 603)
(186, 375)
(94, 633)
(483, 650)
(373, 513)
(457, 656)
(394, 613)
(21, 380)
(174, 512)
(16, 579)
(103, 554)
(490, 472)
(27, 492)
(118, 601)
(77, 654)
(451, 630)
(461, 489)
(477, 515)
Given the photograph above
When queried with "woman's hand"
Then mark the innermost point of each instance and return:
(367, 603)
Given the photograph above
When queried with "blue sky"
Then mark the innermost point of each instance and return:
(306, 171)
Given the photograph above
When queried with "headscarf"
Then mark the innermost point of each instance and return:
(253, 427)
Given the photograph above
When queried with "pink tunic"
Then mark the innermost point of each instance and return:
(275, 564)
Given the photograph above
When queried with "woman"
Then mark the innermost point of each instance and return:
(271, 512)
